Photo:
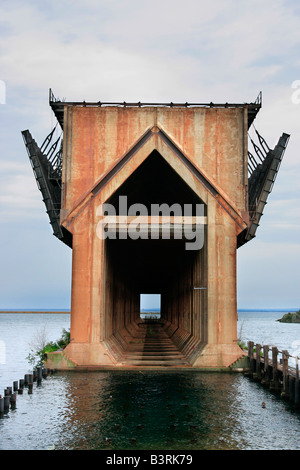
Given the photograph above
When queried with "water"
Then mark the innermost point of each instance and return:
(19, 332)
(150, 313)
(262, 327)
(144, 410)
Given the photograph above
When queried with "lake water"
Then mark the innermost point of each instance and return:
(144, 410)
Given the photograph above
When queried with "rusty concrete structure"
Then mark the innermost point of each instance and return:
(195, 154)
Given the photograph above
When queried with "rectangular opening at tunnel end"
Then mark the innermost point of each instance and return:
(150, 305)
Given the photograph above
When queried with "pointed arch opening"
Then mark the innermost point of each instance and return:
(160, 264)
(155, 182)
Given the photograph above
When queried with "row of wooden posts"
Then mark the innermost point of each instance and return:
(9, 399)
(274, 373)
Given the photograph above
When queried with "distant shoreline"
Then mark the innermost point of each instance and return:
(145, 311)
(36, 311)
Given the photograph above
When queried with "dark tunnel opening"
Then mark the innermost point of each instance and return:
(161, 264)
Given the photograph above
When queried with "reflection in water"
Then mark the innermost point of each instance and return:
(143, 410)
(147, 410)
(126, 410)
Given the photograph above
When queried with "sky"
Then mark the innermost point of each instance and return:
(151, 51)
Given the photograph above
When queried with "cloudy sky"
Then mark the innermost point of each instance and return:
(166, 50)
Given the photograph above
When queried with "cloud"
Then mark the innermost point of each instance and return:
(19, 194)
(118, 50)
(149, 51)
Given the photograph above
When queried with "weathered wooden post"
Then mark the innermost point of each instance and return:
(1, 405)
(274, 384)
(292, 388)
(285, 374)
(258, 365)
(266, 377)
(13, 400)
(251, 358)
(26, 379)
(6, 402)
(30, 383)
(39, 374)
(15, 386)
(297, 385)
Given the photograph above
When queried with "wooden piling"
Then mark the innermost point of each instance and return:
(292, 389)
(297, 385)
(13, 400)
(251, 357)
(258, 364)
(39, 374)
(1, 405)
(274, 384)
(285, 374)
(266, 377)
(15, 386)
(6, 402)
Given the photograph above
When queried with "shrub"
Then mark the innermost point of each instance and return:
(37, 357)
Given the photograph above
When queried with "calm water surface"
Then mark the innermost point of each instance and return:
(144, 410)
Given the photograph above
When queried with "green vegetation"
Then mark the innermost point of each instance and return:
(291, 317)
(242, 344)
(37, 356)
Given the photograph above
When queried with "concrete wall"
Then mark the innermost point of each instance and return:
(105, 294)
